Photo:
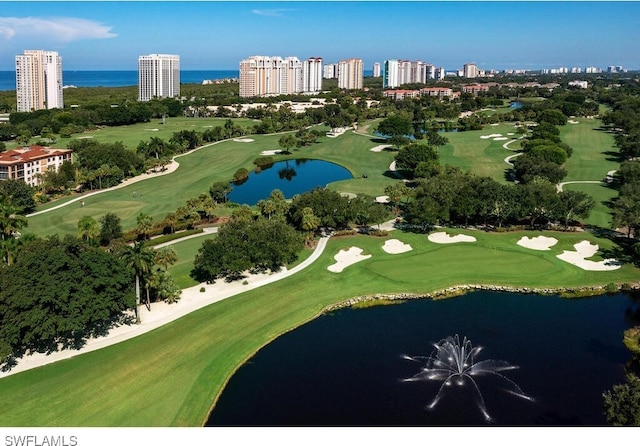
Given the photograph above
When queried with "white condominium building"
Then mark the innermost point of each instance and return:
(158, 76)
(399, 72)
(390, 77)
(312, 74)
(330, 71)
(470, 70)
(38, 80)
(272, 76)
(350, 74)
(377, 69)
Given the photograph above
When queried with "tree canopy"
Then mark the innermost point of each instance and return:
(57, 294)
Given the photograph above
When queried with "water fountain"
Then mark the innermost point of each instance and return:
(453, 362)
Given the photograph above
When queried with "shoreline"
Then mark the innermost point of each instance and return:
(444, 293)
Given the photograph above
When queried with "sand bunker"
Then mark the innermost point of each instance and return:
(584, 250)
(395, 246)
(382, 199)
(270, 152)
(152, 130)
(493, 135)
(346, 258)
(495, 125)
(571, 121)
(540, 243)
(500, 138)
(510, 134)
(243, 140)
(443, 237)
(380, 148)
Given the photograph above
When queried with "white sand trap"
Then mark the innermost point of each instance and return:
(243, 140)
(380, 148)
(85, 137)
(443, 237)
(395, 246)
(539, 243)
(269, 152)
(494, 125)
(382, 199)
(346, 258)
(152, 130)
(510, 134)
(584, 250)
(500, 138)
(493, 135)
(571, 121)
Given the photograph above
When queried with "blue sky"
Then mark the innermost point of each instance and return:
(210, 35)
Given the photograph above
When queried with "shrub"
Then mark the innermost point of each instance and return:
(240, 175)
(264, 161)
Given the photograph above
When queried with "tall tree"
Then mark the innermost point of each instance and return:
(140, 259)
(11, 219)
(59, 293)
(88, 229)
(110, 228)
(144, 224)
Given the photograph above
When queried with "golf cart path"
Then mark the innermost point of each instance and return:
(162, 313)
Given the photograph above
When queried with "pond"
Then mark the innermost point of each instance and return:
(290, 176)
(349, 367)
(516, 104)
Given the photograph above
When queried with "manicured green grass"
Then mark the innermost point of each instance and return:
(172, 375)
(592, 150)
(602, 194)
(186, 251)
(218, 162)
(131, 135)
(484, 157)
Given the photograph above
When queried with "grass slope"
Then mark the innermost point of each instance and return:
(172, 375)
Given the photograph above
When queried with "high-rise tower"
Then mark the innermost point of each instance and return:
(158, 76)
(38, 80)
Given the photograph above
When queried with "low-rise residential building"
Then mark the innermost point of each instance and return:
(398, 95)
(579, 84)
(441, 92)
(475, 88)
(27, 163)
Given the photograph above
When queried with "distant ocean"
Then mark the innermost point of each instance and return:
(117, 78)
(121, 78)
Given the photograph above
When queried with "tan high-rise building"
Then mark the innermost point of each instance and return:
(38, 80)
(271, 76)
(158, 76)
(350, 74)
(470, 70)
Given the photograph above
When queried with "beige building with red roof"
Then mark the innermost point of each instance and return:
(27, 163)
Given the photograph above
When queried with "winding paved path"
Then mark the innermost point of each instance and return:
(161, 313)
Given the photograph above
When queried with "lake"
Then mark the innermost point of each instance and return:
(292, 177)
(347, 368)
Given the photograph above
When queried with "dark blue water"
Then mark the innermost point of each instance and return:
(346, 368)
(291, 177)
(117, 78)
(516, 104)
(121, 78)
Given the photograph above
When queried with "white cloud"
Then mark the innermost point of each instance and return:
(60, 29)
(271, 12)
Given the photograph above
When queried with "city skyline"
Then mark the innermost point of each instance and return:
(218, 35)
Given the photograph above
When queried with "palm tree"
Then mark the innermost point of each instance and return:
(88, 229)
(11, 221)
(165, 257)
(144, 225)
(141, 260)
